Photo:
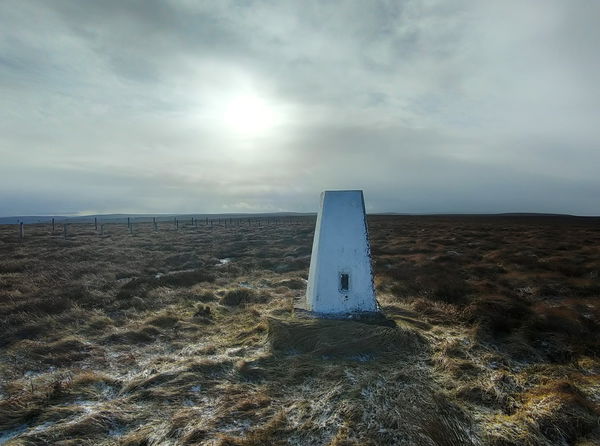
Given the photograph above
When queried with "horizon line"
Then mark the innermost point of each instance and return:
(290, 213)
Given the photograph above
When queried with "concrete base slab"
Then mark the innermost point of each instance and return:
(367, 317)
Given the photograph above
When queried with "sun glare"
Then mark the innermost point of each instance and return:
(250, 115)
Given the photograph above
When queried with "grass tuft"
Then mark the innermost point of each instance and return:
(243, 296)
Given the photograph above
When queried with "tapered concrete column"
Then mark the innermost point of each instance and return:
(340, 278)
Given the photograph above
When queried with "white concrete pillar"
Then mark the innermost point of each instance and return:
(340, 278)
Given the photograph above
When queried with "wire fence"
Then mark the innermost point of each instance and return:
(66, 227)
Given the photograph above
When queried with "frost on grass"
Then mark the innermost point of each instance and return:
(151, 339)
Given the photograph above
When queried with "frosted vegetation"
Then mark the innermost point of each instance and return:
(190, 337)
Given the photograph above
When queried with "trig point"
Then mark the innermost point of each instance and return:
(340, 278)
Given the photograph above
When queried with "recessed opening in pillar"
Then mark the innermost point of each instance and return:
(344, 282)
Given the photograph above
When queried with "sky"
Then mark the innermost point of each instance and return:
(180, 106)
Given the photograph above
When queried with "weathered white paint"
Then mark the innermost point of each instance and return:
(341, 246)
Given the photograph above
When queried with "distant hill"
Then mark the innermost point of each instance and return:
(503, 214)
(32, 219)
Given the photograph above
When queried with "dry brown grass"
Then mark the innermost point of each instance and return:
(152, 339)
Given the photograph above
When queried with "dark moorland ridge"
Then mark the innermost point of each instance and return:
(188, 335)
(30, 219)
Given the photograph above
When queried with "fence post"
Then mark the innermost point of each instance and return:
(154, 223)
(128, 223)
(21, 231)
(52, 225)
(95, 223)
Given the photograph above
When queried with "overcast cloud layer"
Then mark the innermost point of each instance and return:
(429, 106)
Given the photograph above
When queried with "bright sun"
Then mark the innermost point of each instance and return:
(250, 115)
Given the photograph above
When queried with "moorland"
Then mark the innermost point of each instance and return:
(189, 335)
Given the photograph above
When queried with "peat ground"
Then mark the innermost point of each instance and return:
(189, 336)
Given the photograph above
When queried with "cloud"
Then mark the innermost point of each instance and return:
(428, 106)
